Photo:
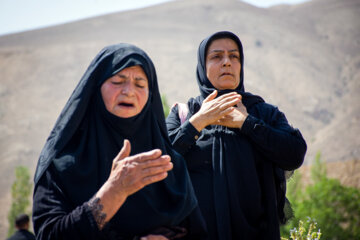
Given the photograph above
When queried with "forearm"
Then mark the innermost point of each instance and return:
(182, 136)
(285, 148)
(74, 225)
(54, 218)
(105, 204)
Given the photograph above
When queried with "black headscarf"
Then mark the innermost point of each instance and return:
(86, 138)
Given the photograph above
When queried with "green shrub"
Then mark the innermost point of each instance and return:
(20, 193)
(165, 105)
(335, 207)
(308, 231)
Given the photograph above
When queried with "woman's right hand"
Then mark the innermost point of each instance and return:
(213, 109)
(128, 175)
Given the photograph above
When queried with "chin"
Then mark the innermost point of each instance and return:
(227, 84)
(227, 87)
(125, 115)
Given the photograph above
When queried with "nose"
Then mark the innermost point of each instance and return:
(226, 61)
(127, 89)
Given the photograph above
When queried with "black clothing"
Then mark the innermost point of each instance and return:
(234, 171)
(22, 234)
(77, 158)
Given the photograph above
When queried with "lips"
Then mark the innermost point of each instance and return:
(226, 74)
(125, 104)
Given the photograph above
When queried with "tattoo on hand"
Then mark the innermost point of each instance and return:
(96, 209)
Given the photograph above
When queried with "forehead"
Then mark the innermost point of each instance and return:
(222, 44)
(133, 70)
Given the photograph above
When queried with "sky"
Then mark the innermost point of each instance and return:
(23, 15)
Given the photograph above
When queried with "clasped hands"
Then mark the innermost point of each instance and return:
(226, 110)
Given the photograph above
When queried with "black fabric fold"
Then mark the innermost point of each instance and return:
(221, 195)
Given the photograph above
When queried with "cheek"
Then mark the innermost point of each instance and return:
(236, 66)
(146, 97)
(143, 97)
(109, 96)
(210, 71)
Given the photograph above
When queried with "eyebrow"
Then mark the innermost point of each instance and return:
(217, 50)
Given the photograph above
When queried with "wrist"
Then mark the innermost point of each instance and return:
(110, 198)
(110, 192)
(106, 203)
(243, 120)
(197, 122)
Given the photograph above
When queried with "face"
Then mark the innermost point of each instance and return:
(223, 64)
(126, 93)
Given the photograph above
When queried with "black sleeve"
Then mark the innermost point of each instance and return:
(53, 216)
(276, 140)
(182, 136)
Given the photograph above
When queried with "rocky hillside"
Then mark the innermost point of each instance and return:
(303, 58)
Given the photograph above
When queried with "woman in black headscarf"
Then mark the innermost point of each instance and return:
(236, 146)
(85, 188)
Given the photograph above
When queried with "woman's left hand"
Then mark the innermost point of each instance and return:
(236, 118)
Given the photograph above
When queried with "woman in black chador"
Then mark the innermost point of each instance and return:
(236, 146)
(86, 188)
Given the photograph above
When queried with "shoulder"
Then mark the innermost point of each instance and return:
(264, 110)
(29, 235)
(22, 235)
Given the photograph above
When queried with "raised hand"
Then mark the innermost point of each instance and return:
(128, 175)
(213, 109)
(236, 118)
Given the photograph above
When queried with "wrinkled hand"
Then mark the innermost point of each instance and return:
(213, 109)
(154, 237)
(236, 118)
(129, 174)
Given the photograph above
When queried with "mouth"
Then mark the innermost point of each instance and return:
(226, 74)
(125, 104)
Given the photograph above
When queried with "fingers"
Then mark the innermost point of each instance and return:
(145, 156)
(225, 101)
(229, 97)
(225, 112)
(225, 106)
(132, 173)
(162, 160)
(154, 178)
(211, 96)
(156, 170)
(125, 150)
(157, 166)
(141, 157)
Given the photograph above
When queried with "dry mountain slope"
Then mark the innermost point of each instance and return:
(302, 58)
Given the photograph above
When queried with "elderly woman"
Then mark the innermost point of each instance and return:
(85, 188)
(236, 146)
